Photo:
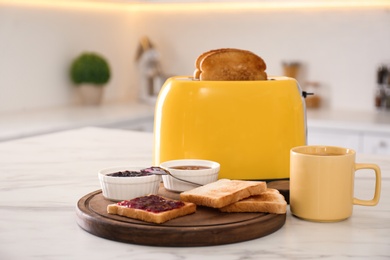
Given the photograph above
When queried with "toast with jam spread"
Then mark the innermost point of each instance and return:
(152, 208)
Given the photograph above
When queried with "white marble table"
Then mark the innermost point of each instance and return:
(43, 177)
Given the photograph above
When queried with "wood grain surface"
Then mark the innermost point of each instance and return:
(206, 227)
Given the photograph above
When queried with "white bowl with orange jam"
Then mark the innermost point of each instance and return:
(123, 183)
(194, 170)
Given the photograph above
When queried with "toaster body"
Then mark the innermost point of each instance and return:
(248, 127)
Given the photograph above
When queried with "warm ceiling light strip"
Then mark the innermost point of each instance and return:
(256, 6)
(199, 6)
(65, 4)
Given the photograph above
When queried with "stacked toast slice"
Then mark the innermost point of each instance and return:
(237, 196)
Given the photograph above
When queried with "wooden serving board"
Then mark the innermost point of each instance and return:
(206, 227)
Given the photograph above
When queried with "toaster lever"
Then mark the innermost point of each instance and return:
(305, 94)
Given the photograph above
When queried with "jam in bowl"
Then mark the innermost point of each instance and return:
(127, 182)
(194, 170)
(189, 167)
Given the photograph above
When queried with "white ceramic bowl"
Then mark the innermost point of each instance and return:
(201, 176)
(126, 188)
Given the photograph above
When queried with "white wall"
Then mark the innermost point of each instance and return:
(38, 43)
(341, 49)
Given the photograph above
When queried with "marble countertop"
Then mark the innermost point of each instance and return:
(19, 124)
(43, 177)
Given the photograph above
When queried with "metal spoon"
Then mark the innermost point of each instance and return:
(160, 171)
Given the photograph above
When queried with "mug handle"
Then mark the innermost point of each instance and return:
(375, 200)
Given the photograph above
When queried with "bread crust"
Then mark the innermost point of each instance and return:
(202, 56)
(152, 217)
(270, 201)
(230, 64)
(199, 60)
(223, 192)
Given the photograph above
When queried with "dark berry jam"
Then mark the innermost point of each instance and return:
(128, 174)
(152, 203)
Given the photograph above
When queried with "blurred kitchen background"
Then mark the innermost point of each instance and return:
(338, 45)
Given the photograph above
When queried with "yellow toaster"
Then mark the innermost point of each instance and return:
(248, 127)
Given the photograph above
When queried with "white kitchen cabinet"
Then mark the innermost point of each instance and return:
(376, 144)
(347, 139)
(364, 131)
(360, 141)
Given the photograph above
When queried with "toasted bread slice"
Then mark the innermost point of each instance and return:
(199, 60)
(229, 64)
(152, 208)
(223, 192)
(270, 201)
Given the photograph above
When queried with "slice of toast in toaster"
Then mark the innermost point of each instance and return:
(270, 201)
(223, 192)
(230, 64)
(152, 208)
(200, 59)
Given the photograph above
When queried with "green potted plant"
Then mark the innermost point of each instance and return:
(90, 72)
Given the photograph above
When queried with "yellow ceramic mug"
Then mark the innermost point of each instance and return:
(322, 183)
